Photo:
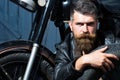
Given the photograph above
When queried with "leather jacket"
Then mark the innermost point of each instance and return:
(64, 69)
(65, 59)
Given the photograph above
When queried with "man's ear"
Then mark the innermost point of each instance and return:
(70, 25)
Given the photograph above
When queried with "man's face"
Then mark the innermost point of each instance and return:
(82, 24)
(84, 30)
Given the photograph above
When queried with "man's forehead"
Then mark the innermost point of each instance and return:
(80, 15)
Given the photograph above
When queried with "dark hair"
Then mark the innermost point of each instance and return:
(85, 7)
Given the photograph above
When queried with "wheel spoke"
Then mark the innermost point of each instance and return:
(5, 73)
(18, 71)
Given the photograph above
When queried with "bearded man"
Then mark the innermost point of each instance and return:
(74, 54)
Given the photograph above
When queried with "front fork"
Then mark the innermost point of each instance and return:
(31, 61)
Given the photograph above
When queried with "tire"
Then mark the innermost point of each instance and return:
(14, 58)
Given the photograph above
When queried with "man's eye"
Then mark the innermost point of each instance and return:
(90, 24)
(80, 24)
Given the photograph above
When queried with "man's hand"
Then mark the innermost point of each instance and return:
(97, 59)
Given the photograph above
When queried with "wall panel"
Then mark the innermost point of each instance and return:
(16, 23)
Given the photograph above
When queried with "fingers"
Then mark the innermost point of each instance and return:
(107, 65)
(111, 56)
(103, 49)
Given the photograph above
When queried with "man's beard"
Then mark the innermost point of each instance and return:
(85, 42)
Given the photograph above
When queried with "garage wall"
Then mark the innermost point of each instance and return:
(16, 23)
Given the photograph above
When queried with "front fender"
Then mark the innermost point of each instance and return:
(19, 45)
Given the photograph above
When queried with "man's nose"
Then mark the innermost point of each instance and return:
(85, 28)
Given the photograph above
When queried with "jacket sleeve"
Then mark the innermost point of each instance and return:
(64, 69)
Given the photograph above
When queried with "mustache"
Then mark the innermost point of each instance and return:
(86, 36)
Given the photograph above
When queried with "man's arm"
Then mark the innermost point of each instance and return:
(64, 69)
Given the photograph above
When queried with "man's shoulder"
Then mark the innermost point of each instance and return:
(66, 42)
